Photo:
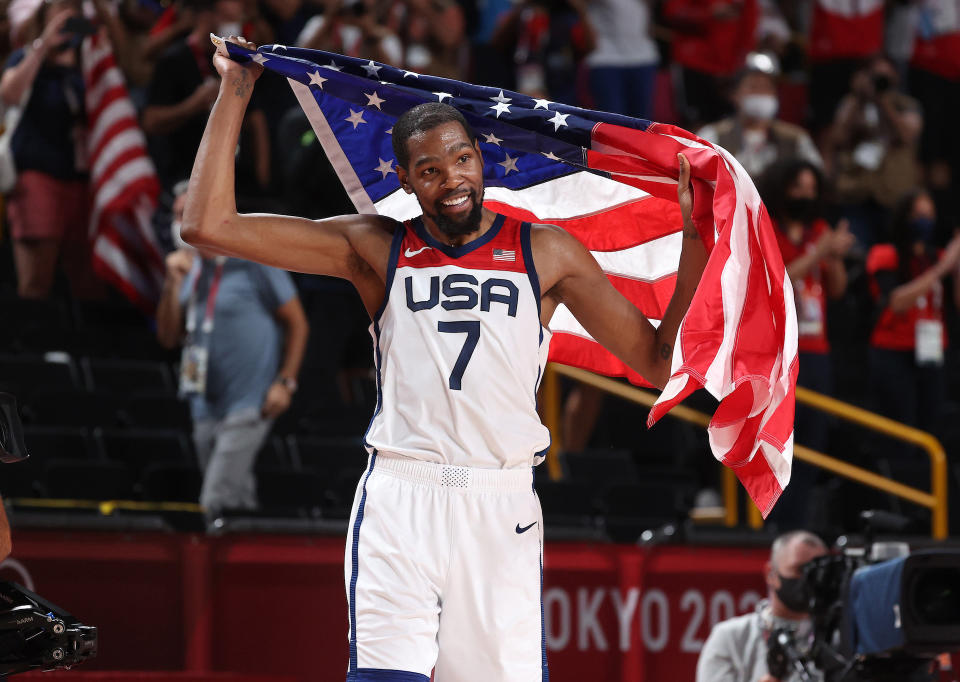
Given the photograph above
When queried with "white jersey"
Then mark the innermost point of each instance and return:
(460, 351)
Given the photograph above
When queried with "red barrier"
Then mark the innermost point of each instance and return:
(275, 606)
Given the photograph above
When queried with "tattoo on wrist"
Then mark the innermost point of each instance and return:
(665, 351)
(242, 84)
(690, 232)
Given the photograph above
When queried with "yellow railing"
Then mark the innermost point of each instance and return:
(935, 500)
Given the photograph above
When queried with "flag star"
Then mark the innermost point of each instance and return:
(385, 168)
(509, 164)
(390, 130)
(501, 99)
(259, 59)
(500, 108)
(551, 156)
(411, 74)
(441, 95)
(317, 79)
(374, 100)
(277, 48)
(355, 117)
(542, 104)
(558, 120)
(332, 66)
(491, 139)
(371, 69)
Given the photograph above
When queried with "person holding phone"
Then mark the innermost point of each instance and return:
(49, 206)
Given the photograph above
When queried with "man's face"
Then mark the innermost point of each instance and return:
(446, 174)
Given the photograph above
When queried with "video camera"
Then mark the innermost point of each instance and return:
(34, 634)
(875, 618)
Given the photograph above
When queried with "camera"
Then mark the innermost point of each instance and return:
(37, 635)
(875, 618)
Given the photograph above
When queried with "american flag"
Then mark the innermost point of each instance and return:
(611, 181)
(123, 181)
(504, 255)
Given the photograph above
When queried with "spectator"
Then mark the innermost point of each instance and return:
(244, 335)
(935, 81)
(736, 650)
(872, 148)
(134, 49)
(432, 32)
(843, 33)
(711, 39)
(48, 207)
(352, 28)
(623, 63)
(813, 253)
(181, 93)
(549, 40)
(754, 135)
(908, 339)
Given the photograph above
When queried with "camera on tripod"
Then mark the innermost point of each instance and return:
(875, 618)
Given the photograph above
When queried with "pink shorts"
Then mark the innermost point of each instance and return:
(44, 207)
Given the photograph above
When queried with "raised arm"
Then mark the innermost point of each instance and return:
(352, 247)
(575, 279)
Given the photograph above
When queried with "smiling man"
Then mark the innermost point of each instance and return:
(443, 564)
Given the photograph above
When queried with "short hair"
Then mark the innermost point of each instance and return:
(784, 541)
(420, 119)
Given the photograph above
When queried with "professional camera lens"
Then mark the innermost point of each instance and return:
(936, 597)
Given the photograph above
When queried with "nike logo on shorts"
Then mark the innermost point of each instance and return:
(410, 254)
(525, 528)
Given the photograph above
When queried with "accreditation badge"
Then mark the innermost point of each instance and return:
(929, 342)
(193, 369)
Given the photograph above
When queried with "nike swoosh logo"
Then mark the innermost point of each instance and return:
(525, 528)
(410, 254)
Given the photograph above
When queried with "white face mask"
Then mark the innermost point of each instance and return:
(759, 107)
(229, 28)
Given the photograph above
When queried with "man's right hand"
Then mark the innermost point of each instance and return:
(178, 264)
(240, 77)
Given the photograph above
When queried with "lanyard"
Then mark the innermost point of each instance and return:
(207, 326)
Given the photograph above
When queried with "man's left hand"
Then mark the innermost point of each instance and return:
(277, 401)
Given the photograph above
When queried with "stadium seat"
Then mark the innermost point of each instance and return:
(140, 448)
(21, 375)
(45, 443)
(23, 479)
(171, 482)
(128, 377)
(116, 329)
(33, 325)
(567, 504)
(329, 457)
(273, 455)
(631, 509)
(74, 480)
(70, 407)
(156, 411)
(290, 493)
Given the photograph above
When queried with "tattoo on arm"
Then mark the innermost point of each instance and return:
(690, 232)
(242, 84)
(665, 351)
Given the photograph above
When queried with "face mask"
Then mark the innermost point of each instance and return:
(230, 28)
(803, 209)
(759, 107)
(922, 229)
(794, 594)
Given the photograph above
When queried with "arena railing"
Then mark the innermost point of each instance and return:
(935, 500)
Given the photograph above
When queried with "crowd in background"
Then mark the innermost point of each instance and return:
(841, 110)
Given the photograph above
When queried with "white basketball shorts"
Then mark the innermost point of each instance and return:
(444, 571)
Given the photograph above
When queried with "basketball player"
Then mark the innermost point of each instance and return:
(443, 561)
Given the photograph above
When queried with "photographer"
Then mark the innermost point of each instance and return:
(736, 650)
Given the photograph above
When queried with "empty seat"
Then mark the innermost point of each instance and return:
(22, 479)
(45, 443)
(156, 411)
(171, 483)
(32, 325)
(116, 329)
(567, 503)
(602, 466)
(633, 508)
(70, 407)
(273, 455)
(140, 448)
(128, 377)
(290, 493)
(330, 457)
(74, 480)
(21, 375)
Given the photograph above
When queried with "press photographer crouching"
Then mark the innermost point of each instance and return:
(736, 650)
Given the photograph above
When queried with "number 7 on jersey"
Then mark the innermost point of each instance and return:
(472, 330)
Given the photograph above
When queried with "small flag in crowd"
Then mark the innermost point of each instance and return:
(611, 181)
(125, 187)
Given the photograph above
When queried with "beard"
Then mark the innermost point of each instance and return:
(469, 223)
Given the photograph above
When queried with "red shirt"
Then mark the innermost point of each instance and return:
(897, 331)
(705, 43)
(937, 47)
(846, 29)
(810, 296)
